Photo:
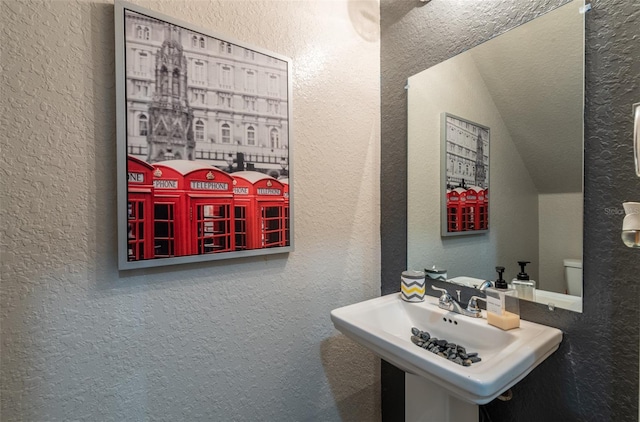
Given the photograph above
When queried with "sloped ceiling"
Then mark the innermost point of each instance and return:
(538, 91)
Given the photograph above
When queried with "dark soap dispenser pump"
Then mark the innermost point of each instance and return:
(525, 287)
(500, 283)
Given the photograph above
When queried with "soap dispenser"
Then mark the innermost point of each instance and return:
(523, 285)
(503, 308)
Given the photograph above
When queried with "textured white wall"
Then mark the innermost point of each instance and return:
(455, 86)
(560, 217)
(81, 340)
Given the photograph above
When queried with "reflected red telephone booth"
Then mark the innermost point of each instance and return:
(259, 211)
(193, 209)
(139, 209)
(469, 209)
(482, 215)
(454, 214)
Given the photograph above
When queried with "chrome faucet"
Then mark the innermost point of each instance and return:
(450, 304)
(483, 286)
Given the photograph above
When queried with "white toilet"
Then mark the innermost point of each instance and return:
(573, 276)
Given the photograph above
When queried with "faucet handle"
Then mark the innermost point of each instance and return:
(444, 291)
(445, 299)
(472, 306)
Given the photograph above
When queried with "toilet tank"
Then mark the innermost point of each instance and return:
(573, 276)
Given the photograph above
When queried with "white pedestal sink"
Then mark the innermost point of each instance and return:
(384, 326)
(426, 401)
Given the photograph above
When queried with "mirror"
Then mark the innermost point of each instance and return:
(527, 86)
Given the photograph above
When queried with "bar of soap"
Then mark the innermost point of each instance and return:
(506, 321)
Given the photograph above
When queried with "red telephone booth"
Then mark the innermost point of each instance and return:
(471, 208)
(285, 182)
(481, 213)
(210, 201)
(465, 210)
(454, 212)
(193, 209)
(139, 209)
(259, 211)
(486, 208)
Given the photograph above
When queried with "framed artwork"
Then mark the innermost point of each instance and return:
(464, 176)
(204, 144)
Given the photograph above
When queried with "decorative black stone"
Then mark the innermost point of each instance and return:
(451, 351)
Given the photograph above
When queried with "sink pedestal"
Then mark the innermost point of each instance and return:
(426, 401)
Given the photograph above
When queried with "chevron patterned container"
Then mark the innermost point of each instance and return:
(412, 286)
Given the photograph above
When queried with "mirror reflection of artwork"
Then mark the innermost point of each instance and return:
(466, 176)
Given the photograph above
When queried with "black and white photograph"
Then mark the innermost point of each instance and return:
(204, 141)
(465, 176)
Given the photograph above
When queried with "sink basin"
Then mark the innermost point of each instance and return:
(384, 326)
